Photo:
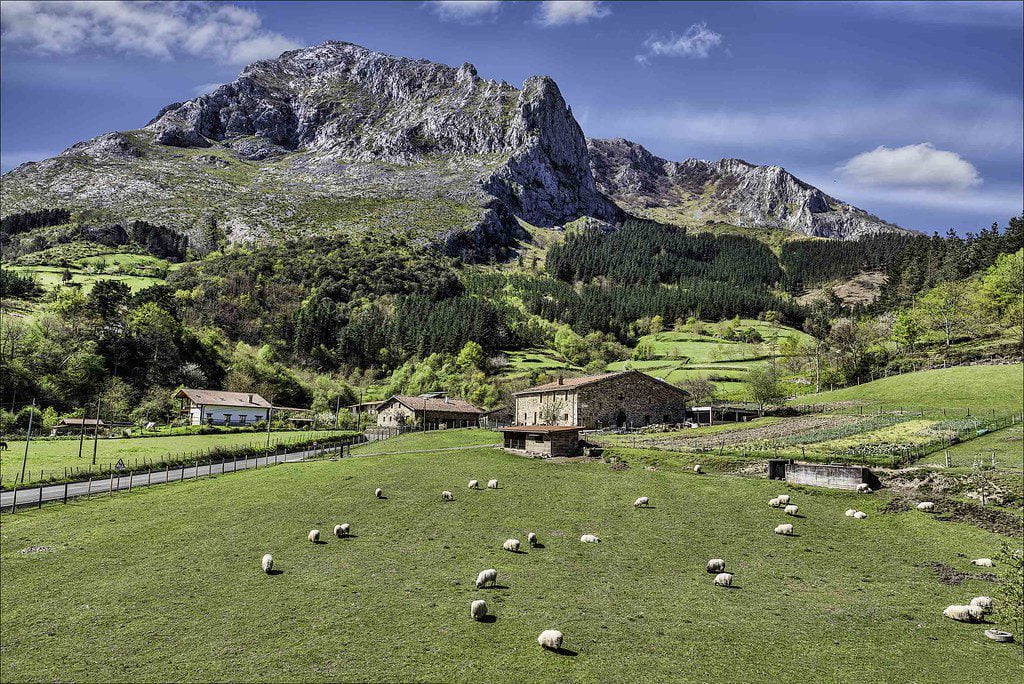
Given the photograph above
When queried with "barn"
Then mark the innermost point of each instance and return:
(437, 412)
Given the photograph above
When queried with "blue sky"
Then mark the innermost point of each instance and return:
(910, 110)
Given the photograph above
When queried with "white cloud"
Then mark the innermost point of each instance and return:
(965, 117)
(1002, 202)
(163, 30)
(697, 42)
(465, 11)
(562, 12)
(911, 166)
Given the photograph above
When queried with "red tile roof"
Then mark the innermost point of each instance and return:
(543, 429)
(436, 404)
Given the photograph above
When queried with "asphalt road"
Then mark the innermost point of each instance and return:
(31, 495)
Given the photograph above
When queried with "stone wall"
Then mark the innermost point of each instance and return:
(633, 399)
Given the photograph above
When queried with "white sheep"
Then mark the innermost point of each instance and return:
(716, 565)
(642, 501)
(723, 579)
(983, 602)
(492, 484)
(342, 530)
(850, 512)
(531, 538)
(697, 469)
(474, 484)
(926, 506)
(860, 515)
(489, 576)
(478, 609)
(314, 536)
(775, 503)
(783, 499)
(550, 639)
(784, 529)
(984, 562)
(964, 613)
(864, 488)
(590, 539)
(511, 545)
(791, 509)
(267, 563)
(447, 496)
(379, 493)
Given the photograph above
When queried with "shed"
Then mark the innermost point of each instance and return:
(545, 441)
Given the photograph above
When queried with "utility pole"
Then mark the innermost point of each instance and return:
(96, 432)
(28, 437)
(337, 412)
(81, 434)
(270, 414)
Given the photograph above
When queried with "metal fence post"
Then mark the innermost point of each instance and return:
(65, 492)
(40, 502)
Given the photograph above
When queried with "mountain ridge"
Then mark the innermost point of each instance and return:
(340, 137)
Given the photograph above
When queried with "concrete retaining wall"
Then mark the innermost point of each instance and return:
(831, 476)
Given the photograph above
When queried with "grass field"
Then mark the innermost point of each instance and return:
(529, 361)
(49, 277)
(50, 457)
(679, 355)
(981, 388)
(436, 439)
(165, 584)
(1007, 445)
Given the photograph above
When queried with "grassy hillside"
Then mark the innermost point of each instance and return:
(150, 586)
(981, 388)
(1007, 445)
(437, 439)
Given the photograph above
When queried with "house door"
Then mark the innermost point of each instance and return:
(620, 420)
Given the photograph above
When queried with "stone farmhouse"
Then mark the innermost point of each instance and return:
(622, 399)
(437, 412)
(216, 407)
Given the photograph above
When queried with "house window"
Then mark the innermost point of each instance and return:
(209, 418)
(242, 418)
(565, 416)
(227, 419)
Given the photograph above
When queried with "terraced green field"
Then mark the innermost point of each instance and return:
(49, 277)
(170, 570)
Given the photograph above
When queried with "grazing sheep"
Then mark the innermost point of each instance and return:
(489, 576)
(314, 536)
(775, 503)
(478, 609)
(784, 529)
(379, 493)
(492, 484)
(783, 499)
(511, 545)
(964, 613)
(723, 579)
(983, 602)
(551, 639)
(447, 496)
(716, 565)
(850, 512)
(474, 484)
(342, 530)
(860, 515)
(863, 488)
(697, 469)
(926, 506)
(642, 501)
(791, 509)
(531, 538)
(267, 563)
(590, 539)
(984, 562)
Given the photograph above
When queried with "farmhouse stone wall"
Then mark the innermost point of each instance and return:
(397, 414)
(631, 399)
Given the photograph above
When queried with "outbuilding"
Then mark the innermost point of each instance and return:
(217, 407)
(544, 441)
(430, 411)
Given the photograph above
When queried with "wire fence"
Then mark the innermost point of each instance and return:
(219, 464)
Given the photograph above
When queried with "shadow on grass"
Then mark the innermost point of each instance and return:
(488, 619)
(568, 652)
(538, 545)
(275, 572)
(496, 586)
(320, 542)
(349, 536)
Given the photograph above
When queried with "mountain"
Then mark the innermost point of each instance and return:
(339, 137)
(696, 192)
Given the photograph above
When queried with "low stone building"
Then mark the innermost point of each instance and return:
(622, 399)
(544, 441)
(437, 412)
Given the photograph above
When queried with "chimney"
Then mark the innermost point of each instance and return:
(447, 400)
(250, 398)
(559, 379)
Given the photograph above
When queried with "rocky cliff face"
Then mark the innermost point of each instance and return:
(695, 192)
(338, 137)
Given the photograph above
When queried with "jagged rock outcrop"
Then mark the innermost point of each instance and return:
(341, 138)
(696, 191)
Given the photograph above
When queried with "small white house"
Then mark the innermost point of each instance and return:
(216, 407)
